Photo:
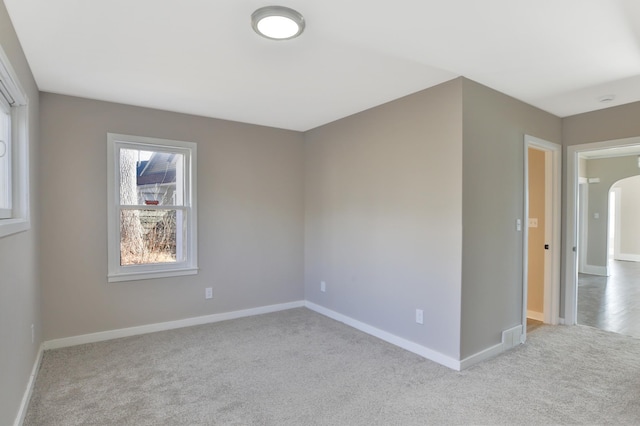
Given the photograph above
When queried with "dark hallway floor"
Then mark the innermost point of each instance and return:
(611, 303)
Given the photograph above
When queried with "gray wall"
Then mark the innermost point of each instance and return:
(19, 277)
(609, 171)
(492, 200)
(409, 205)
(606, 124)
(383, 216)
(250, 211)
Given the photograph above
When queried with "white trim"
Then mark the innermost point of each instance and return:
(118, 273)
(596, 270)
(571, 232)
(169, 325)
(408, 345)
(553, 231)
(484, 355)
(13, 226)
(510, 338)
(21, 217)
(553, 235)
(165, 273)
(571, 239)
(628, 257)
(26, 397)
(583, 223)
(616, 219)
(11, 81)
(538, 316)
(525, 239)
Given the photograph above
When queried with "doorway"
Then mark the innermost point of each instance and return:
(588, 207)
(612, 302)
(538, 233)
(541, 260)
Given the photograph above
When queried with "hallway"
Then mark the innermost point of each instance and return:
(611, 303)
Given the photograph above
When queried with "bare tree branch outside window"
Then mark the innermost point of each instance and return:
(148, 235)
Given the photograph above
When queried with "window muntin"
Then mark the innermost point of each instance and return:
(152, 214)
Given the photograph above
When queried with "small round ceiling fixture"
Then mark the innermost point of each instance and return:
(277, 22)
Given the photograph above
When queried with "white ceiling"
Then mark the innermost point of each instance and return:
(202, 56)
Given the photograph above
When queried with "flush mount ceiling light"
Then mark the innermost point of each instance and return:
(277, 22)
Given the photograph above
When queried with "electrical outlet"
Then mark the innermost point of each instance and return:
(208, 293)
(419, 316)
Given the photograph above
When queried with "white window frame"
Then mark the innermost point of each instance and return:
(17, 217)
(189, 266)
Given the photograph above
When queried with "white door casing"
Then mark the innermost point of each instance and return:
(571, 230)
(553, 187)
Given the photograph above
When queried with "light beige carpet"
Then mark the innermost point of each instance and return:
(299, 368)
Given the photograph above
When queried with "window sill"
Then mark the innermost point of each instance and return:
(166, 273)
(13, 226)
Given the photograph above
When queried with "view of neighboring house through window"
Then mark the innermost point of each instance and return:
(148, 179)
(152, 230)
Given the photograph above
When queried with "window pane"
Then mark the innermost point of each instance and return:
(149, 178)
(5, 164)
(151, 236)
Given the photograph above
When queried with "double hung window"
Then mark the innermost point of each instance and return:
(152, 208)
(14, 152)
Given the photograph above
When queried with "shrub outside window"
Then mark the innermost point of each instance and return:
(152, 208)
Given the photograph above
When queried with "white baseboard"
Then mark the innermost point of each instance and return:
(596, 270)
(24, 404)
(170, 325)
(628, 257)
(538, 316)
(423, 351)
(482, 356)
(510, 338)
